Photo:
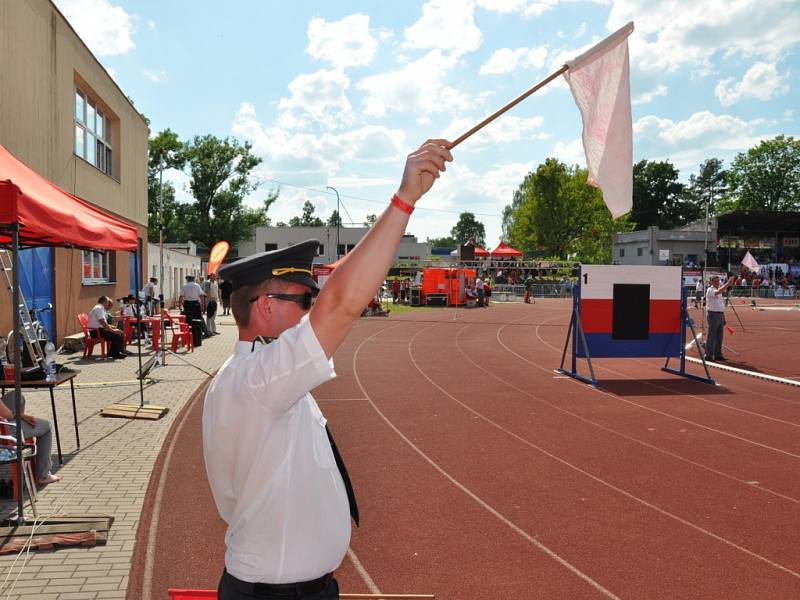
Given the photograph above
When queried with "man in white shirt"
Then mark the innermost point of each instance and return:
(698, 292)
(715, 312)
(150, 295)
(479, 289)
(98, 322)
(190, 301)
(211, 289)
(276, 475)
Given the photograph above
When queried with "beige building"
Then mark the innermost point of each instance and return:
(65, 117)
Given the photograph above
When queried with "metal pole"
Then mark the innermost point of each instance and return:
(18, 371)
(162, 330)
(137, 260)
(705, 266)
(338, 219)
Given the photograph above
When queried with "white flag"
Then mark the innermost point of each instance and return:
(750, 262)
(600, 83)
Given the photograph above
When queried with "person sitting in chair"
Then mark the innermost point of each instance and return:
(98, 319)
(32, 427)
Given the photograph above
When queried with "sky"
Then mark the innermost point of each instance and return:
(338, 93)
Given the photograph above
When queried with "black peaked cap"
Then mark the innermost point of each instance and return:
(290, 264)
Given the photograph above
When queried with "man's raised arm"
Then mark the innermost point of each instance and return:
(355, 280)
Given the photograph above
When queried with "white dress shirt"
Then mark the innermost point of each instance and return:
(270, 464)
(191, 292)
(714, 302)
(96, 315)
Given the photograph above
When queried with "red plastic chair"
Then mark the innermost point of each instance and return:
(182, 335)
(88, 339)
(28, 458)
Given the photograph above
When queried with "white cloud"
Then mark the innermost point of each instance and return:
(445, 25)
(417, 87)
(159, 76)
(687, 143)
(503, 6)
(319, 96)
(309, 157)
(151, 25)
(671, 34)
(505, 129)
(356, 182)
(649, 96)
(761, 81)
(344, 43)
(581, 30)
(105, 28)
(507, 60)
(570, 153)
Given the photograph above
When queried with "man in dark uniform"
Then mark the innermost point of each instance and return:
(276, 475)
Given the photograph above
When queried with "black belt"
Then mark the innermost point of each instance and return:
(279, 590)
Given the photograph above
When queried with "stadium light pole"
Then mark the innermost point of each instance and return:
(338, 218)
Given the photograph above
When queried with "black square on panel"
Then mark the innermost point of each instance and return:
(631, 311)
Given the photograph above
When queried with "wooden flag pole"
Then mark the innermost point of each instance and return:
(507, 107)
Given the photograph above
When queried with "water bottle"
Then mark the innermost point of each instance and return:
(50, 361)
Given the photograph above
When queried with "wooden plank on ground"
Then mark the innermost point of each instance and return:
(148, 412)
(60, 531)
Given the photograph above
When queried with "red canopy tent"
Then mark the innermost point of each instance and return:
(504, 250)
(36, 212)
(49, 216)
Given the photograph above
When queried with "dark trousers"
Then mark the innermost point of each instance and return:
(231, 588)
(716, 331)
(114, 339)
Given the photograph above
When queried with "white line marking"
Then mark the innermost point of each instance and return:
(150, 552)
(466, 490)
(365, 577)
(602, 481)
(653, 410)
(748, 373)
(614, 431)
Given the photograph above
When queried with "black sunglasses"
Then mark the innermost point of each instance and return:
(305, 300)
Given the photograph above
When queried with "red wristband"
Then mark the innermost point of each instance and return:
(401, 204)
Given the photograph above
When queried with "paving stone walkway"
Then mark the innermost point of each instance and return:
(110, 472)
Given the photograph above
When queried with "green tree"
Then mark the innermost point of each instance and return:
(370, 220)
(766, 177)
(335, 219)
(307, 219)
(468, 227)
(220, 179)
(556, 213)
(659, 198)
(708, 186)
(443, 242)
(164, 147)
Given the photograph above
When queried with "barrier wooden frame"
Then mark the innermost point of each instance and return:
(575, 335)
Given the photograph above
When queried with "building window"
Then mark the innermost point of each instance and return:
(639, 251)
(270, 247)
(96, 267)
(321, 250)
(621, 252)
(93, 133)
(345, 248)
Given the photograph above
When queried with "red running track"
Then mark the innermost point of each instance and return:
(482, 474)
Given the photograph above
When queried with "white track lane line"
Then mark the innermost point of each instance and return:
(619, 433)
(642, 406)
(150, 552)
(599, 480)
(485, 505)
